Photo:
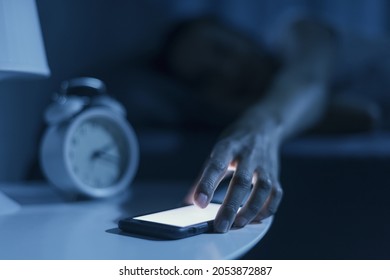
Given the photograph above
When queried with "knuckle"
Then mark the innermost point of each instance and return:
(264, 182)
(217, 165)
(242, 178)
(223, 145)
(278, 193)
(253, 209)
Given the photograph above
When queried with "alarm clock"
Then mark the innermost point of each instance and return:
(88, 148)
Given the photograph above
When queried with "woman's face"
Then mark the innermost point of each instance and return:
(228, 70)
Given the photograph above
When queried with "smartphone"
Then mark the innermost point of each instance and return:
(175, 223)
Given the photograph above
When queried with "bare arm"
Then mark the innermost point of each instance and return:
(295, 101)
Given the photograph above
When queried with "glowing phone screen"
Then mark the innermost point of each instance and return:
(183, 216)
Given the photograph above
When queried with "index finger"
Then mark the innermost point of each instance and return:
(213, 172)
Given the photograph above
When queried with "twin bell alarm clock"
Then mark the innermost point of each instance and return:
(89, 148)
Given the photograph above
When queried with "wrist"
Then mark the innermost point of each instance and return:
(262, 125)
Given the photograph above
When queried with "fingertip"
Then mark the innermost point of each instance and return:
(240, 222)
(201, 199)
(221, 226)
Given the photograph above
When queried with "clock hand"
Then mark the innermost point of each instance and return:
(102, 150)
(105, 156)
(107, 147)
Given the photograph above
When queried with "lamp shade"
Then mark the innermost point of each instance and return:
(22, 52)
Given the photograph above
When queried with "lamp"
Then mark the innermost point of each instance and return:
(22, 53)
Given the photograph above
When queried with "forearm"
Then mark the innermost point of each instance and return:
(298, 97)
(292, 105)
(295, 101)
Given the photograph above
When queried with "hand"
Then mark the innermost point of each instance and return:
(252, 153)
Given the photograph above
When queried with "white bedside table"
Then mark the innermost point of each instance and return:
(49, 227)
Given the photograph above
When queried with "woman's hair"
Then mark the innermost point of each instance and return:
(163, 58)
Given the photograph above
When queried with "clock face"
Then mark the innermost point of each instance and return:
(97, 152)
